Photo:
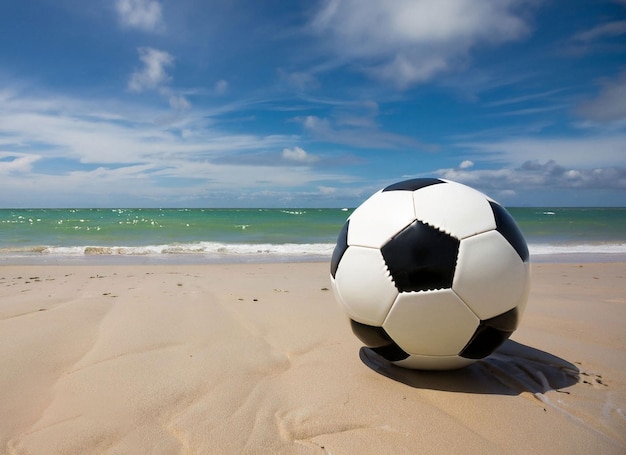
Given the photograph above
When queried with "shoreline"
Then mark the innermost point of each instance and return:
(258, 358)
(207, 259)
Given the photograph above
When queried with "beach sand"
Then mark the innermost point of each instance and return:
(258, 358)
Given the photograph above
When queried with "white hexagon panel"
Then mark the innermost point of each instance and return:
(489, 273)
(454, 208)
(430, 323)
(394, 211)
(363, 285)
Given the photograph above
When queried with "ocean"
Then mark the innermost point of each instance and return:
(261, 235)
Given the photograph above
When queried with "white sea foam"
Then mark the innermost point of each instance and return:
(208, 248)
(215, 251)
(587, 248)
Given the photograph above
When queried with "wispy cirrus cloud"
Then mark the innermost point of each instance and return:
(525, 98)
(121, 152)
(606, 30)
(363, 134)
(603, 37)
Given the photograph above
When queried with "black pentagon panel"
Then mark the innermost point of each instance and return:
(490, 334)
(377, 339)
(340, 248)
(506, 322)
(413, 184)
(371, 336)
(421, 258)
(392, 352)
(505, 225)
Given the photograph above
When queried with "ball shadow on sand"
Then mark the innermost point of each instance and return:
(512, 369)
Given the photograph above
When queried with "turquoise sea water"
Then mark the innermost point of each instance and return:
(214, 235)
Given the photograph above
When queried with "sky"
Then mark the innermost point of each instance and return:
(317, 103)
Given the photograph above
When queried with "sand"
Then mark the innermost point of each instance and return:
(258, 358)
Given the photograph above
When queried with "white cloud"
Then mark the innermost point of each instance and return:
(524, 98)
(17, 162)
(121, 156)
(408, 41)
(537, 175)
(222, 184)
(153, 74)
(610, 104)
(608, 30)
(180, 103)
(299, 155)
(221, 87)
(65, 128)
(466, 164)
(300, 80)
(367, 136)
(584, 151)
(142, 14)
(523, 165)
(409, 69)
(596, 39)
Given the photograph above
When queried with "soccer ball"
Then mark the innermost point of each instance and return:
(433, 274)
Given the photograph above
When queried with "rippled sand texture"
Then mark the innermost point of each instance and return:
(259, 359)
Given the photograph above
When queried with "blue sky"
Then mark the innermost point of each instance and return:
(245, 103)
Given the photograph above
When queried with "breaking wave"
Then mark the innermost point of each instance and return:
(200, 248)
(267, 252)
(584, 248)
